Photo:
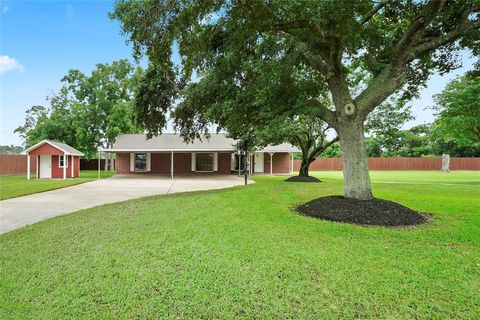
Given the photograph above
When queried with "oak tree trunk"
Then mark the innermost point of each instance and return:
(355, 162)
(305, 166)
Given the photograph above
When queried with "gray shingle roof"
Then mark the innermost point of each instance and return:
(173, 142)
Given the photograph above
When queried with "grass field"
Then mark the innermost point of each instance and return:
(244, 253)
(16, 186)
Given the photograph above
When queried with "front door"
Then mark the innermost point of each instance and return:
(45, 166)
(259, 162)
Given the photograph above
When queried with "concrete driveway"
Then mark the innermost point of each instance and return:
(22, 211)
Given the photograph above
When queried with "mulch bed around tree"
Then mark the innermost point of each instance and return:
(375, 212)
(302, 179)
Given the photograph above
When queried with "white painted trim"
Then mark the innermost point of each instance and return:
(232, 162)
(239, 163)
(65, 157)
(37, 159)
(194, 159)
(271, 162)
(215, 161)
(64, 166)
(73, 163)
(53, 145)
(149, 160)
(28, 166)
(132, 161)
(171, 164)
(260, 165)
(46, 173)
(291, 164)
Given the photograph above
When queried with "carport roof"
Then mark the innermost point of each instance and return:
(173, 142)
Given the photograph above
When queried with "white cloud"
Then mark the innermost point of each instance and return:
(9, 64)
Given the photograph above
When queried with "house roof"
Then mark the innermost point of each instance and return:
(59, 145)
(173, 142)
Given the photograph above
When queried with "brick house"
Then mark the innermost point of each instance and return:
(54, 159)
(168, 154)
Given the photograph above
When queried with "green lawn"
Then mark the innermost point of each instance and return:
(243, 253)
(16, 186)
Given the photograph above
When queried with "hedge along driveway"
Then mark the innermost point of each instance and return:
(21, 211)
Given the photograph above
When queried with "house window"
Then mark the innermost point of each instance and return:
(61, 162)
(204, 161)
(140, 162)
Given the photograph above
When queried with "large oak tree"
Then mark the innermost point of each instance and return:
(364, 51)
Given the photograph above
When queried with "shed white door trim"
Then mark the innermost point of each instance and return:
(45, 167)
(259, 162)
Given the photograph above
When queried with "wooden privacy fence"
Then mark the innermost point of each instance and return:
(335, 164)
(92, 164)
(15, 164)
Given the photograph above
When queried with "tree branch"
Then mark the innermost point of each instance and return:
(314, 59)
(318, 150)
(436, 42)
(372, 12)
(416, 29)
(386, 83)
(324, 113)
(295, 25)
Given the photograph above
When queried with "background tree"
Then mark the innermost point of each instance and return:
(458, 111)
(384, 127)
(395, 45)
(89, 111)
(309, 134)
(11, 149)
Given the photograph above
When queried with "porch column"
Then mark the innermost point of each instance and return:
(171, 164)
(271, 162)
(64, 166)
(28, 166)
(37, 163)
(251, 164)
(291, 166)
(98, 178)
(239, 162)
(73, 163)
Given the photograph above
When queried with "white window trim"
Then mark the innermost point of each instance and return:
(132, 162)
(66, 157)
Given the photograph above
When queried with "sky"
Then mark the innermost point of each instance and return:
(41, 40)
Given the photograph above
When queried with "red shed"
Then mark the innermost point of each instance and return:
(54, 160)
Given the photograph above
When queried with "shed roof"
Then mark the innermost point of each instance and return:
(174, 142)
(59, 145)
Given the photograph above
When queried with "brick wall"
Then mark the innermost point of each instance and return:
(281, 163)
(57, 172)
(122, 165)
(182, 163)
